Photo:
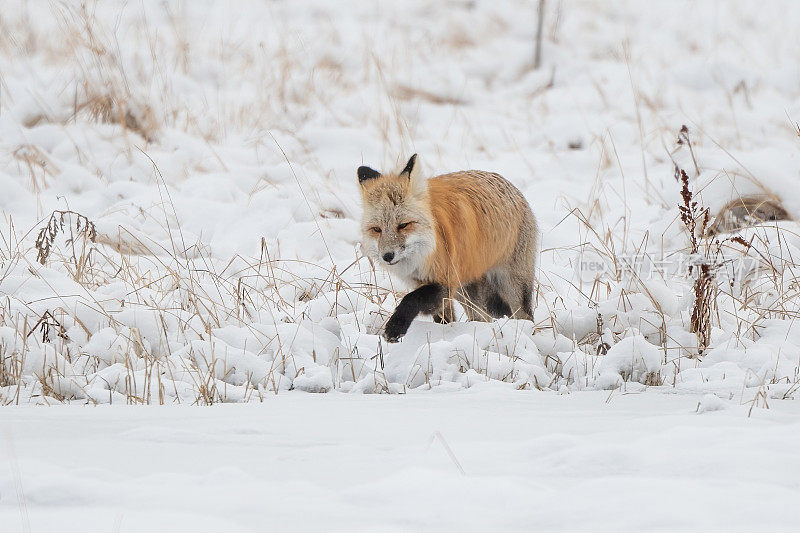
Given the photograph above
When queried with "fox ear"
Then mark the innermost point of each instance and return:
(365, 174)
(411, 169)
(412, 172)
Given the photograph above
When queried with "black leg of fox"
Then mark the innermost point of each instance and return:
(496, 306)
(425, 299)
(527, 296)
(473, 297)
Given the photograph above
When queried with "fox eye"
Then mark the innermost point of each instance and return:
(375, 229)
(403, 225)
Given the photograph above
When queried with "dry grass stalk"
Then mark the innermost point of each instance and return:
(10, 366)
(704, 289)
(109, 104)
(537, 55)
(684, 140)
(702, 266)
(58, 223)
(405, 92)
(37, 162)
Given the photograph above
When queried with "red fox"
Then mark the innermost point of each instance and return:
(468, 236)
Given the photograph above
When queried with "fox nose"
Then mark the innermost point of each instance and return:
(388, 256)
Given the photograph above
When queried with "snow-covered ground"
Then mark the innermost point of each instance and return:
(488, 460)
(180, 226)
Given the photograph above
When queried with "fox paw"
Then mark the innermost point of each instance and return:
(395, 328)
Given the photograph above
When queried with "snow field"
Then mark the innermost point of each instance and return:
(592, 461)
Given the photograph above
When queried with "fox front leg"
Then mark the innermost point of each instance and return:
(425, 299)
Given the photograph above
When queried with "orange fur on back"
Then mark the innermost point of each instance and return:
(476, 227)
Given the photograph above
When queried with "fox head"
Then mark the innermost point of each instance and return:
(397, 224)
